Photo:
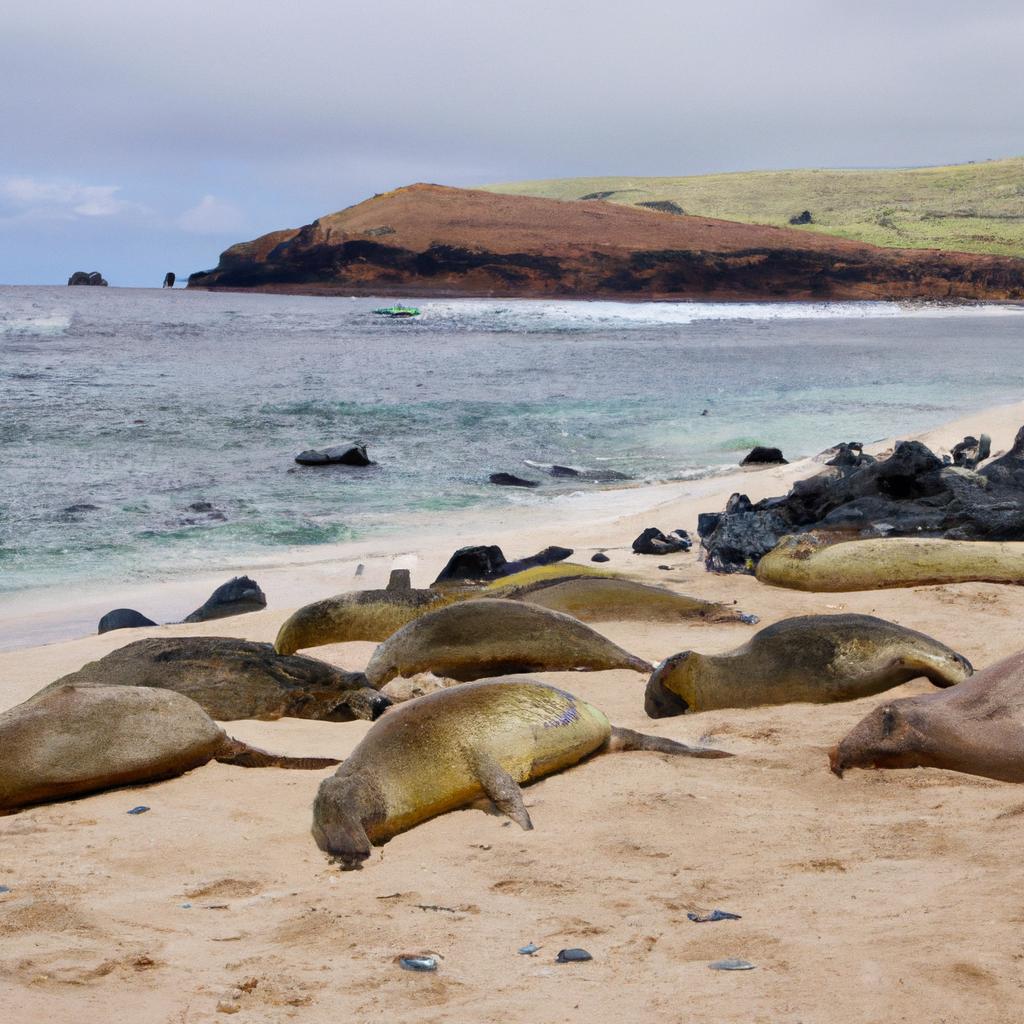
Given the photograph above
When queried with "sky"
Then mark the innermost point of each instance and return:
(137, 137)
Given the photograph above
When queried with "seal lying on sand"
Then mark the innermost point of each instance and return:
(361, 615)
(493, 637)
(811, 562)
(452, 747)
(814, 658)
(80, 739)
(977, 727)
(376, 614)
(596, 599)
(233, 679)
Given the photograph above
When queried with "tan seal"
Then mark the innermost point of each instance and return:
(81, 739)
(601, 599)
(455, 746)
(812, 561)
(493, 637)
(818, 659)
(977, 728)
(360, 615)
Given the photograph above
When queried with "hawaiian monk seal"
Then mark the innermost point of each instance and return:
(977, 728)
(452, 747)
(492, 637)
(231, 679)
(361, 615)
(809, 561)
(597, 598)
(818, 659)
(80, 739)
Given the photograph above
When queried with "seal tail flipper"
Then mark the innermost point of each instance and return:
(626, 739)
(241, 754)
(503, 790)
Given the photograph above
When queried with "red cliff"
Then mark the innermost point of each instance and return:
(428, 240)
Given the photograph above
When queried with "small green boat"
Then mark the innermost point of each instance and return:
(398, 311)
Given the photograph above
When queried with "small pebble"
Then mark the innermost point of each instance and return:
(418, 963)
(186, 906)
(568, 956)
(359, 569)
(731, 965)
(529, 949)
(7, 888)
(600, 557)
(667, 568)
(226, 1006)
(749, 618)
(141, 809)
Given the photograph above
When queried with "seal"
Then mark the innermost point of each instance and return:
(597, 599)
(453, 747)
(360, 615)
(81, 739)
(977, 728)
(493, 637)
(819, 659)
(231, 679)
(809, 561)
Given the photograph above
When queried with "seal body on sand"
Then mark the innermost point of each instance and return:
(81, 739)
(492, 637)
(232, 679)
(596, 599)
(453, 747)
(818, 659)
(812, 562)
(362, 615)
(977, 728)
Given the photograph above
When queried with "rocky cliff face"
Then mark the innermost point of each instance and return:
(431, 240)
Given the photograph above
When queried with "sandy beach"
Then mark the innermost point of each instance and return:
(883, 897)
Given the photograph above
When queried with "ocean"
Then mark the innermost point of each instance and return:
(149, 434)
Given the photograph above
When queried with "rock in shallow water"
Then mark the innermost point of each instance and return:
(341, 455)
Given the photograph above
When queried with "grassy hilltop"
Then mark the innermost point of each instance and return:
(976, 207)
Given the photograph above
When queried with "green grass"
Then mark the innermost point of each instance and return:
(976, 207)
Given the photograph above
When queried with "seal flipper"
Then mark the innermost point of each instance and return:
(503, 790)
(241, 754)
(626, 739)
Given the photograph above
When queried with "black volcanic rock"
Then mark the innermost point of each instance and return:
(511, 480)
(87, 277)
(123, 618)
(760, 456)
(653, 542)
(488, 562)
(236, 597)
(340, 455)
(912, 493)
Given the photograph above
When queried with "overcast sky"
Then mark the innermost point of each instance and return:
(140, 137)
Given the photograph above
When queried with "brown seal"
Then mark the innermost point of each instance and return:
(232, 679)
(80, 739)
(455, 746)
(819, 659)
(977, 728)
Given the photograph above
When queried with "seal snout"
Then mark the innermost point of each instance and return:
(835, 762)
(659, 700)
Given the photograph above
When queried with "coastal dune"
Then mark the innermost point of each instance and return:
(432, 240)
(885, 896)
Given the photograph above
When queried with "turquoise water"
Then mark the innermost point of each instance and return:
(143, 402)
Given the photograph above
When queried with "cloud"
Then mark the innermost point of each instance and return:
(212, 216)
(63, 197)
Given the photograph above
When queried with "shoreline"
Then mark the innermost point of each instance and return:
(218, 897)
(587, 521)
